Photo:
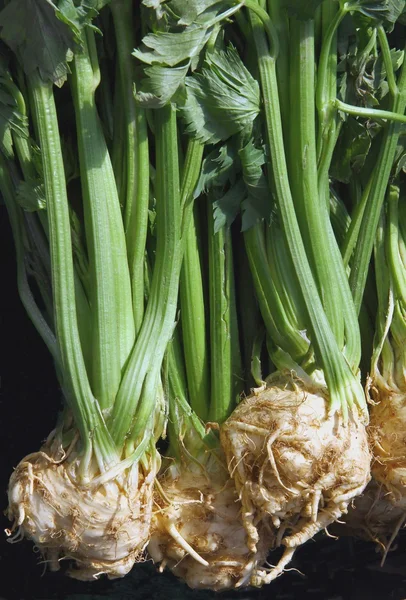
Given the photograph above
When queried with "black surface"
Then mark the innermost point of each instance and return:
(342, 569)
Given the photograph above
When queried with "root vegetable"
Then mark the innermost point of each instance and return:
(294, 463)
(199, 532)
(102, 527)
(373, 517)
(388, 433)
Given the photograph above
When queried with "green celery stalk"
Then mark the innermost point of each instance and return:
(26, 295)
(311, 204)
(193, 316)
(135, 158)
(345, 390)
(226, 384)
(379, 182)
(95, 437)
(112, 319)
(136, 398)
(273, 310)
(40, 232)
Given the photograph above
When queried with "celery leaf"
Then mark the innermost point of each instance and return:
(351, 150)
(169, 49)
(388, 10)
(222, 100)
(257, 204)
(161, 85)
(10, 121)
(34, 31)
(77, 17)
(218, 168)
(226, 208)
(248, 195)
(188, 12)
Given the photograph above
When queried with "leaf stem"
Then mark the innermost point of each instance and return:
(345, 390)
(379, 183)
(112, 318)
(369, 113)
(136, 157)
(136, 398)
(193, 315)
(226, 384)
(85, 407)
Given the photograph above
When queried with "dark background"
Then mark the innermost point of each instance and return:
(343, 569)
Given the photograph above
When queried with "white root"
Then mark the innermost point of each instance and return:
(104, 530)
(180, 540)
(294, 464)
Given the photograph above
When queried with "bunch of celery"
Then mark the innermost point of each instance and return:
(77, 190)
(297, 448)
(194, 214)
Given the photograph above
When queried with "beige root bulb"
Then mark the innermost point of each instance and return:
(294, 463)
(102, 528)
(387, 432)
(373, 517)
(198, 530)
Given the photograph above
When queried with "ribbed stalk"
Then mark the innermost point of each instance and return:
(311, 203)
(136, 157)
(85, 407)
(379, 183)
(279, 17)
(193, 316)
(27, 298)
(136, 399)
(112, 319)
(276, 320)
(38, 226)
(226, 384)
(344, 388)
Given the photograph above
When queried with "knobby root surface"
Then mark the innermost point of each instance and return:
(103, 530)
(387, 433)
(294, 464)
(203, 509)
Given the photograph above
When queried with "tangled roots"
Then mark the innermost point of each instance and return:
(294, 463)
(387, 432)
(198, 531)
(373, 517)
(103, 529)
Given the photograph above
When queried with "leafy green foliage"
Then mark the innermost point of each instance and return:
(362, 76)
(161, 85)
(44, 33)
(222, 100)
(227, 207)
(235, 181)
(180, 33)
(10, 121)
(34, 31)
(219, 167)
(352, 148)
(31, 196)
(190, 11)
(388, 10)
(77, 16)
(257, 205)
(170, 49)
